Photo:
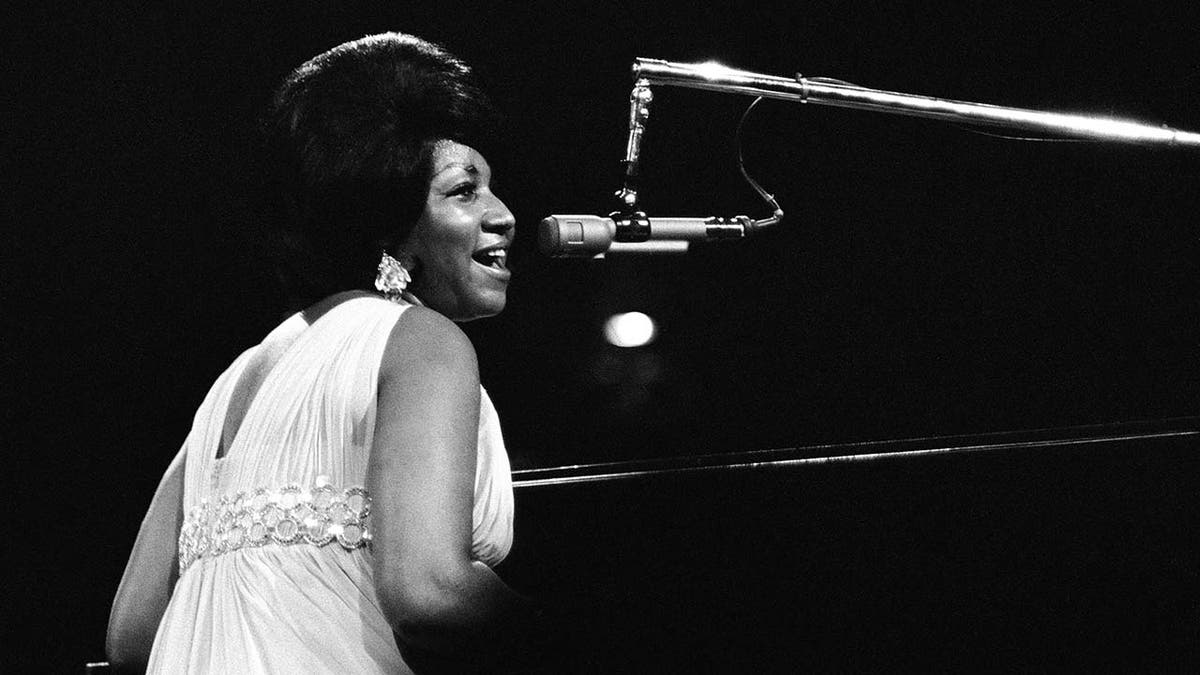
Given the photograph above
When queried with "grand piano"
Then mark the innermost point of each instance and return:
(1044, 550)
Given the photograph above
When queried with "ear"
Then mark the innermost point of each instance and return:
(400, 251)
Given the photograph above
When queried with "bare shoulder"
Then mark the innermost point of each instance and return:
(428, 386)
(426, 339)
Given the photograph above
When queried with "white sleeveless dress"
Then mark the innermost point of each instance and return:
(274, 554)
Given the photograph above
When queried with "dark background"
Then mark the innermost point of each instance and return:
(927, 281)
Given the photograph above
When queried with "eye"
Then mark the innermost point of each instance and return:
(465, 192)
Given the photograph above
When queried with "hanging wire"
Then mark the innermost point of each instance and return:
(777, 213)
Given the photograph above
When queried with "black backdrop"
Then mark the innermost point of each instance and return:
(928, 280)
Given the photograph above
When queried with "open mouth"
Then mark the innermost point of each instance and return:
(495, 258)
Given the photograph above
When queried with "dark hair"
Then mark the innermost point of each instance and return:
(351, 134)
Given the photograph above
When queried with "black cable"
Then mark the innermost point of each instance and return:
(768, 198)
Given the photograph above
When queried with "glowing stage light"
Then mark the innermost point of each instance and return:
(631, 329)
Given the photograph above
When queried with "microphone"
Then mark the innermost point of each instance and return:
(586, 236)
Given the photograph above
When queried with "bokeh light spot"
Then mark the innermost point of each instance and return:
(630, 329)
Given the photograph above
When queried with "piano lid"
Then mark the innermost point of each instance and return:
(866, 451)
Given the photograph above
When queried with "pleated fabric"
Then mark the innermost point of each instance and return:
(256, 596)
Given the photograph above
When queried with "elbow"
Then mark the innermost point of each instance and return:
(428, 608)
(459, 617)
(123, 655)
(130, 638)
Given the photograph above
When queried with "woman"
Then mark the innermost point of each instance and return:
(345, 489)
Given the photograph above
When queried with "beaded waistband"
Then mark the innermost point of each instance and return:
(288, 515)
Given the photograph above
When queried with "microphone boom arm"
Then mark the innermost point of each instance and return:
(714, 77)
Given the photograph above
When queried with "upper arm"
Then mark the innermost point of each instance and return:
(421, 473)
(150, 574)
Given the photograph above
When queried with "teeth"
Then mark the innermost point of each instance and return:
(496, 257)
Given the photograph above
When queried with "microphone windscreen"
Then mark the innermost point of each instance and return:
(573, 236)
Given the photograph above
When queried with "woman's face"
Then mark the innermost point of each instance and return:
(462, 238)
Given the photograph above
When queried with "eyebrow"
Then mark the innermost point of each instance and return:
(469, 168)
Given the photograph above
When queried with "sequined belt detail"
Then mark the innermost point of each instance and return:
(288, 515)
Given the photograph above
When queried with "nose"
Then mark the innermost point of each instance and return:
(498, 219)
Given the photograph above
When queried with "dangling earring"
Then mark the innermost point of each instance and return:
(392, 278)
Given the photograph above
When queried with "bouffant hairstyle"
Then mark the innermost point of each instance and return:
(350, 137)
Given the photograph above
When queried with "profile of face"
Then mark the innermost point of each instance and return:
(462, 238)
